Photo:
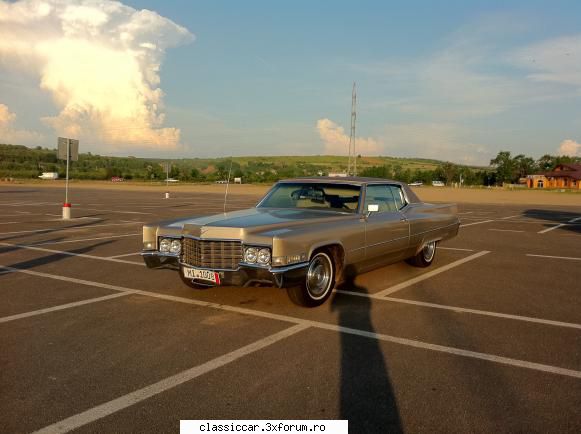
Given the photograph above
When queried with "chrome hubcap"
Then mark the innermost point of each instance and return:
(319, 276)
(429, 251)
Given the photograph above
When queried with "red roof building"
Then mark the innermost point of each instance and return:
(563, 176)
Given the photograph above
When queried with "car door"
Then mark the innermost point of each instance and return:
(387, 230)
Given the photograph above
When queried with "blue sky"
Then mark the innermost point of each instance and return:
(453, 80)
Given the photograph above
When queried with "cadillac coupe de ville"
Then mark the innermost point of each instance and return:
(305, 235)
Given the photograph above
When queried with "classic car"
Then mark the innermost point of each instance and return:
(305, 235)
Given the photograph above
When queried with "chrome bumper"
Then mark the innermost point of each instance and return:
(245, 274)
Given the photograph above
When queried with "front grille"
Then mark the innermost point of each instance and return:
(214, 254)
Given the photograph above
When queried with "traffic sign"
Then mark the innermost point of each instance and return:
(73, 145)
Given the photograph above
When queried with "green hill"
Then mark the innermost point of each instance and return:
(24, 162)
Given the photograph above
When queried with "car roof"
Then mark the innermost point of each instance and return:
(355, 180)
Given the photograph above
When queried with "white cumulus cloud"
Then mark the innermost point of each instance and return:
(337, 142)
(570, 148)
(11, 135)
(100, 61)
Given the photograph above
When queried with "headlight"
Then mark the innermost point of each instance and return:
(263, 257)
(165, 245)
(175, 247)
(250, 255)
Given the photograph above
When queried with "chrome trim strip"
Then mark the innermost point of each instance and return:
(183, 264)
(436, 229)
(158, 253)
(273, 270)
(284, 269)
(388, 241)
(212, 239)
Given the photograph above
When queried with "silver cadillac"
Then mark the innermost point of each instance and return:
(305, 235)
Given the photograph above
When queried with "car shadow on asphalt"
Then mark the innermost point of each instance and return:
(367, 398)
(557, 217)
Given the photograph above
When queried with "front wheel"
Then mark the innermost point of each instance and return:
(425, 257)
(318, 283)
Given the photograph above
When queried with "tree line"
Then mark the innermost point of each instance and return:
(23, 162)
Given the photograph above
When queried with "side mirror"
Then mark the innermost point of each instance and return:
(372, 207)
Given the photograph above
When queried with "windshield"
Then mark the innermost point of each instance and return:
(327, 197)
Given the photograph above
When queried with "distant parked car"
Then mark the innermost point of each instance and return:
(438, 184)
(117, 179)
(416, 184)
(172, 180)
(49, 175)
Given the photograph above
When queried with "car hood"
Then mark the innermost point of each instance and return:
(267, 221)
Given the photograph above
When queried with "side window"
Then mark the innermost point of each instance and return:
(382, 196)
(398, 196)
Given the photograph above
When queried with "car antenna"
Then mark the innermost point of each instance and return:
(227, 184)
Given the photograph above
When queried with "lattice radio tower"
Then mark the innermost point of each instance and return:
(352, 165)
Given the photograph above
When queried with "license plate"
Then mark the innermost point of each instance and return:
(206, 275)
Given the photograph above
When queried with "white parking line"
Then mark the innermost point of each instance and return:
(65, 253)
(8, 223)
(65, 228)
(42, 243)
(544, 231)
(510, 217)
(124, 255)
(317, 324)
(429, 274)
(62, 307)
(574, 220)
(475, 223)
(168, 383)
(463, 309)
(116, 211)
(554, 257)
(504, 230)
(455, 248)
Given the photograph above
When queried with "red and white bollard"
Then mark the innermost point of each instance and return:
(66, 211)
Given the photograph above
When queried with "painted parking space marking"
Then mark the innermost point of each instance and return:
(464, 310)
(504, 230)
(320, 325)
(42, 243)
(117, 211)
(168, 383)
(65, 253)
(62, 307)
(475, 223)
(8, 223)
(66, 228)
(544, 231)
(510, 217)
(429, 274)
(554, 257)
(124, 255)
(455, 248)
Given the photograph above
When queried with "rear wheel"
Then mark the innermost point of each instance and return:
(318, 283)
(425, 257)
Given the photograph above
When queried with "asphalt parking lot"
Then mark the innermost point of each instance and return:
(486, 339)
